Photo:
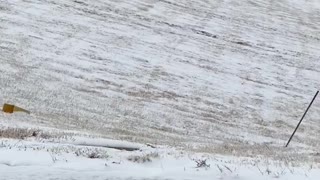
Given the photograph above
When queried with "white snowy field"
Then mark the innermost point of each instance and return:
(222, 77)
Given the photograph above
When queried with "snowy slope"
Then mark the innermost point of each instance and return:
(229, 77)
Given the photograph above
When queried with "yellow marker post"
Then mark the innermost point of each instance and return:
(9, 108)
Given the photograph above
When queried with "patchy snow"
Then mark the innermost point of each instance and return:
(165, 72)
(219, 77)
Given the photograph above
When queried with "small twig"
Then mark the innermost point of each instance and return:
(260, 170)
(227, 168)
(220, 168)
(150, 145)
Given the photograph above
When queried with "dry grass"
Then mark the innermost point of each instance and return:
(22, 133)
(92, 153)
(143, 158)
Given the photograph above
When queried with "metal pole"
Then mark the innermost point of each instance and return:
(302, 118)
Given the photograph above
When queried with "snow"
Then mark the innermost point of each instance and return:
(103, 143)
(229, 78)
(20, 158)
(22, 161)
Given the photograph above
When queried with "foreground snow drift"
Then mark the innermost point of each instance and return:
(20, 159)
(219, 76)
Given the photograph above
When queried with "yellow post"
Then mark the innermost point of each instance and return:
(9, 108)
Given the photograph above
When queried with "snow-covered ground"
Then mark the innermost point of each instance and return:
(222, 77)
(38, 158)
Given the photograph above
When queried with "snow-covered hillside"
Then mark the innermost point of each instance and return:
(218, 76)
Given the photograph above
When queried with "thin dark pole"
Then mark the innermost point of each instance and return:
(302, 117)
